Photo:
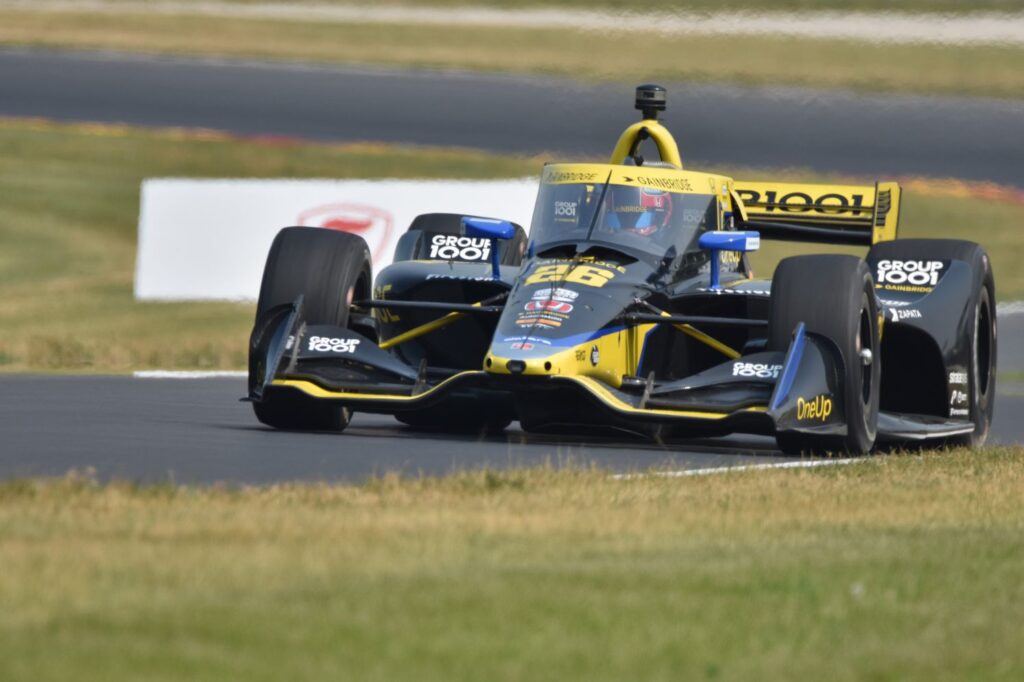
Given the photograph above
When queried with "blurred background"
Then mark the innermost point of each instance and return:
(97, 96)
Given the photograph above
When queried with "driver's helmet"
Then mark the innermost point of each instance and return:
(638, 210)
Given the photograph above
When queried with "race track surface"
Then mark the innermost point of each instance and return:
(196, 431)
(871, 135)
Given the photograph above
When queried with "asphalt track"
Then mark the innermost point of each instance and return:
(196, 431)
(872, 135)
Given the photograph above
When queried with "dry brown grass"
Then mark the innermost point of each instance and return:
(901, 567)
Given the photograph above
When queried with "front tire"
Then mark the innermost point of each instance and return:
(329, 269)
(834, 296)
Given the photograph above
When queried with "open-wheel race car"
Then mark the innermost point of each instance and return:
(631, 306)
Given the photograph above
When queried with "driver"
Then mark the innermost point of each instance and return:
(638, 210)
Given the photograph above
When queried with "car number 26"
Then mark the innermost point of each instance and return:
(587, 275)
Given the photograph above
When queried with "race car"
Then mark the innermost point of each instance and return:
(631, 307)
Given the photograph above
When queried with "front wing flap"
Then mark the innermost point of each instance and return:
(338, 364)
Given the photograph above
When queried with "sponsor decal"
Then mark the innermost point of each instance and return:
(816, 409)
(727, 260)
(328, 344)
(742, 292)
(958, 378)
(831, 204)
(883, 204)
(959, 412)
(677, 184)
(386, 315)
(692, 217)
(551, 306)
(909, 288)
(463, 278)
(566, 209)
(595, 355)
(555, 294)
(542, 320)
(373, 224)
(891, 303)
(454, 247)
(520, 339)
(756, 369)
(587, 275)
(569, 176)
(899, 314)
(581, 355)
(958, 398)
(916, 273)
(522, 345)
(588, 260)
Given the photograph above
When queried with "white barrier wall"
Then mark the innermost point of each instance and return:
(208, 239)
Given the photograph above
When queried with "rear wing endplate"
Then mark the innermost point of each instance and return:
(828, 214)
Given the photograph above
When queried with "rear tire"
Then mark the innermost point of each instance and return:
(833, 296)
(329, 269)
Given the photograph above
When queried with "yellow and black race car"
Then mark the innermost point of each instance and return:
(631, 306)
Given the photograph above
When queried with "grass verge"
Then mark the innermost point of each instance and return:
(895, 568)
(944, 6)
(69, 216)
(961, 70)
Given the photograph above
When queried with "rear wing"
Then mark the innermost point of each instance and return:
(828, 214)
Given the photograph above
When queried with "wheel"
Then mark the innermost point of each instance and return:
(329, 269)
(981, 370)
(833, 296)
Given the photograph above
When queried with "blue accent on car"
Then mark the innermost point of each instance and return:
(643, 347)
(722, 240)
(790, 366)
(488, 228)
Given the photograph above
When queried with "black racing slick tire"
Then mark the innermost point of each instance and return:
(834, 296)
(982, 337)
(329, 269)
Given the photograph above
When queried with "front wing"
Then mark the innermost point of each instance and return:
(799, 391)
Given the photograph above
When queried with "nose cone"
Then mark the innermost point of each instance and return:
(528, 357)
(564, 319)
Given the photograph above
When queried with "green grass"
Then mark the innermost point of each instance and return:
(69, 215)
(896, 568)
(961, 70)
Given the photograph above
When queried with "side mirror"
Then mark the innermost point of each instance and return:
(719, 241)
(488, 228)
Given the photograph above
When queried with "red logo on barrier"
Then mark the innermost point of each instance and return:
(373, 224)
